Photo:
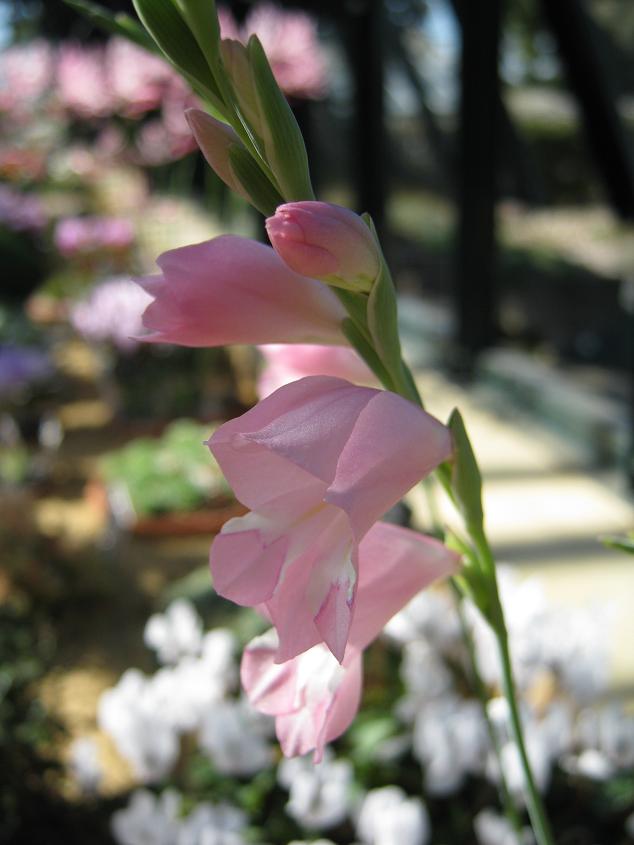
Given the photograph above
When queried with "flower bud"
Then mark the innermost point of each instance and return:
(325, 242)
(216, 139)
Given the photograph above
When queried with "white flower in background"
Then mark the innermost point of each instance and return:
(428, 616)
(425, 676)
(451, 741)
(236, 738)
(589, 764)
(493, 829)
(84, 765)
(210, 824)
(389, 817)
(176, 633)
(609, 730)
(571, 643)
(128, 712)
(148, 819)
(218, 654)
(319, 795)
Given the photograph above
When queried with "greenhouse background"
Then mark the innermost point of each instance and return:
(493, 145)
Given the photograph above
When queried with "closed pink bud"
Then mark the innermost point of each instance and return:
(314, 698)
(215, 140)
(234, 290)
(325, 242)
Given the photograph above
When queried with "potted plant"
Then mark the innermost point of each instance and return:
(168, 485)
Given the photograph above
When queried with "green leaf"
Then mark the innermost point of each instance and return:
(358, 341)
(264, 196)
(382, 315)
(118, 24)
(466, 478)
(202, 18)
(168, 29)
(283, 142)
(621, 544)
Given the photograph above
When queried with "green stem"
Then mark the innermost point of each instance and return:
(506, 798)
(536, 811)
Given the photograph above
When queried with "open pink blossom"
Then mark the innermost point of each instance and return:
(284, 363)
(314, 698)
(234, 290)
(318, 462)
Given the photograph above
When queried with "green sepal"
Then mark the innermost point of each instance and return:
(357, 307)
(264, 196)
(357, 340)
(163, 21)
(469, 580)
(382, 314)
(118, 24)
(284, 146)
(466, 480)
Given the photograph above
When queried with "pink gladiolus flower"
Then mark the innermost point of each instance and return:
(285, 363)
(234, 290)
(325, 242)
(318, 462)
(314, 698)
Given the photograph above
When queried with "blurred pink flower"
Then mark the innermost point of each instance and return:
(284, 363)
(136, 78)
(82, 84)
(292, 46)
(325, 241)
(234, 290)
(25, 75)
(318, 462)
(86, 235)
(314, 698)
(112, 312)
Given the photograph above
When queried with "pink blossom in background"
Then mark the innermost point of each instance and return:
(112, 312)
(82, 86)
(234, 290)
(25, 75)
(317, 462)
(291, 44)
(284, 363)
(136, 78)
(312, 696)
(86, 235)
(325, 241)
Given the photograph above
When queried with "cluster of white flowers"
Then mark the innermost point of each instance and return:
(190, 694)
(156, 820)
(194, 693)
(560, 662)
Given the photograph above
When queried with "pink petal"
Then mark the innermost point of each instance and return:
(393, 445)
(270, 686)
(395, 565)
(234, 290)
(244, 568)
